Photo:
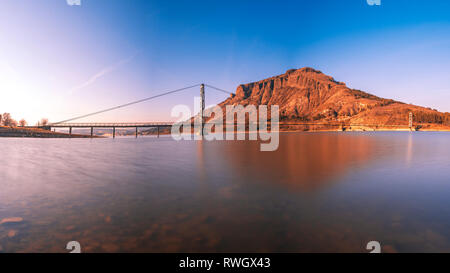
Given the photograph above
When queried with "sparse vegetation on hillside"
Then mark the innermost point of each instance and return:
(7, 120)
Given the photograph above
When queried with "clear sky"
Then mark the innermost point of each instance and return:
(59, 61)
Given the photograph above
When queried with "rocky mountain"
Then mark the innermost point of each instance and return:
(308, 95)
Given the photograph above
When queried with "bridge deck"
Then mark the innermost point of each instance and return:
(110, 125)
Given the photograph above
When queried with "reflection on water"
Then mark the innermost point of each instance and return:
(320, 192)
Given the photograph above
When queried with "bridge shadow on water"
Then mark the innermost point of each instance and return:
(302, 163)
(318, 192)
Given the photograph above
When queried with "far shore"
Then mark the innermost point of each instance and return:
(21, 132)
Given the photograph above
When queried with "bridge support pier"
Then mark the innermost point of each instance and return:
(111, 126)
(410, 121)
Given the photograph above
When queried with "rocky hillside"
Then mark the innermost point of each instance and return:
(308, 95)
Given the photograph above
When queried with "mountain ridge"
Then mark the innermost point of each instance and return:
(308, 95)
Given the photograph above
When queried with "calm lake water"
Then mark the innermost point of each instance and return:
(320, 192)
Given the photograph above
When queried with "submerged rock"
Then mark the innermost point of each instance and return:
(12, 233)
(11, 220)
(307, 95)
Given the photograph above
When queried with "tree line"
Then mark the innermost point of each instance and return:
(7, 120)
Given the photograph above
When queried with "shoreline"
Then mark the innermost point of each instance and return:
(18, 132)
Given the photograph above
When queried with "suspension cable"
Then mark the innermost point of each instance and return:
(125, 105)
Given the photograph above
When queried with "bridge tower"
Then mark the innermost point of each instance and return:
(410, 121)
(202, 111)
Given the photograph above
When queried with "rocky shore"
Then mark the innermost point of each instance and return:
(35, 132)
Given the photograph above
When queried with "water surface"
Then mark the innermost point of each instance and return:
(319, 192)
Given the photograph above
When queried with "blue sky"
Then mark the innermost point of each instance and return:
(59, 61)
